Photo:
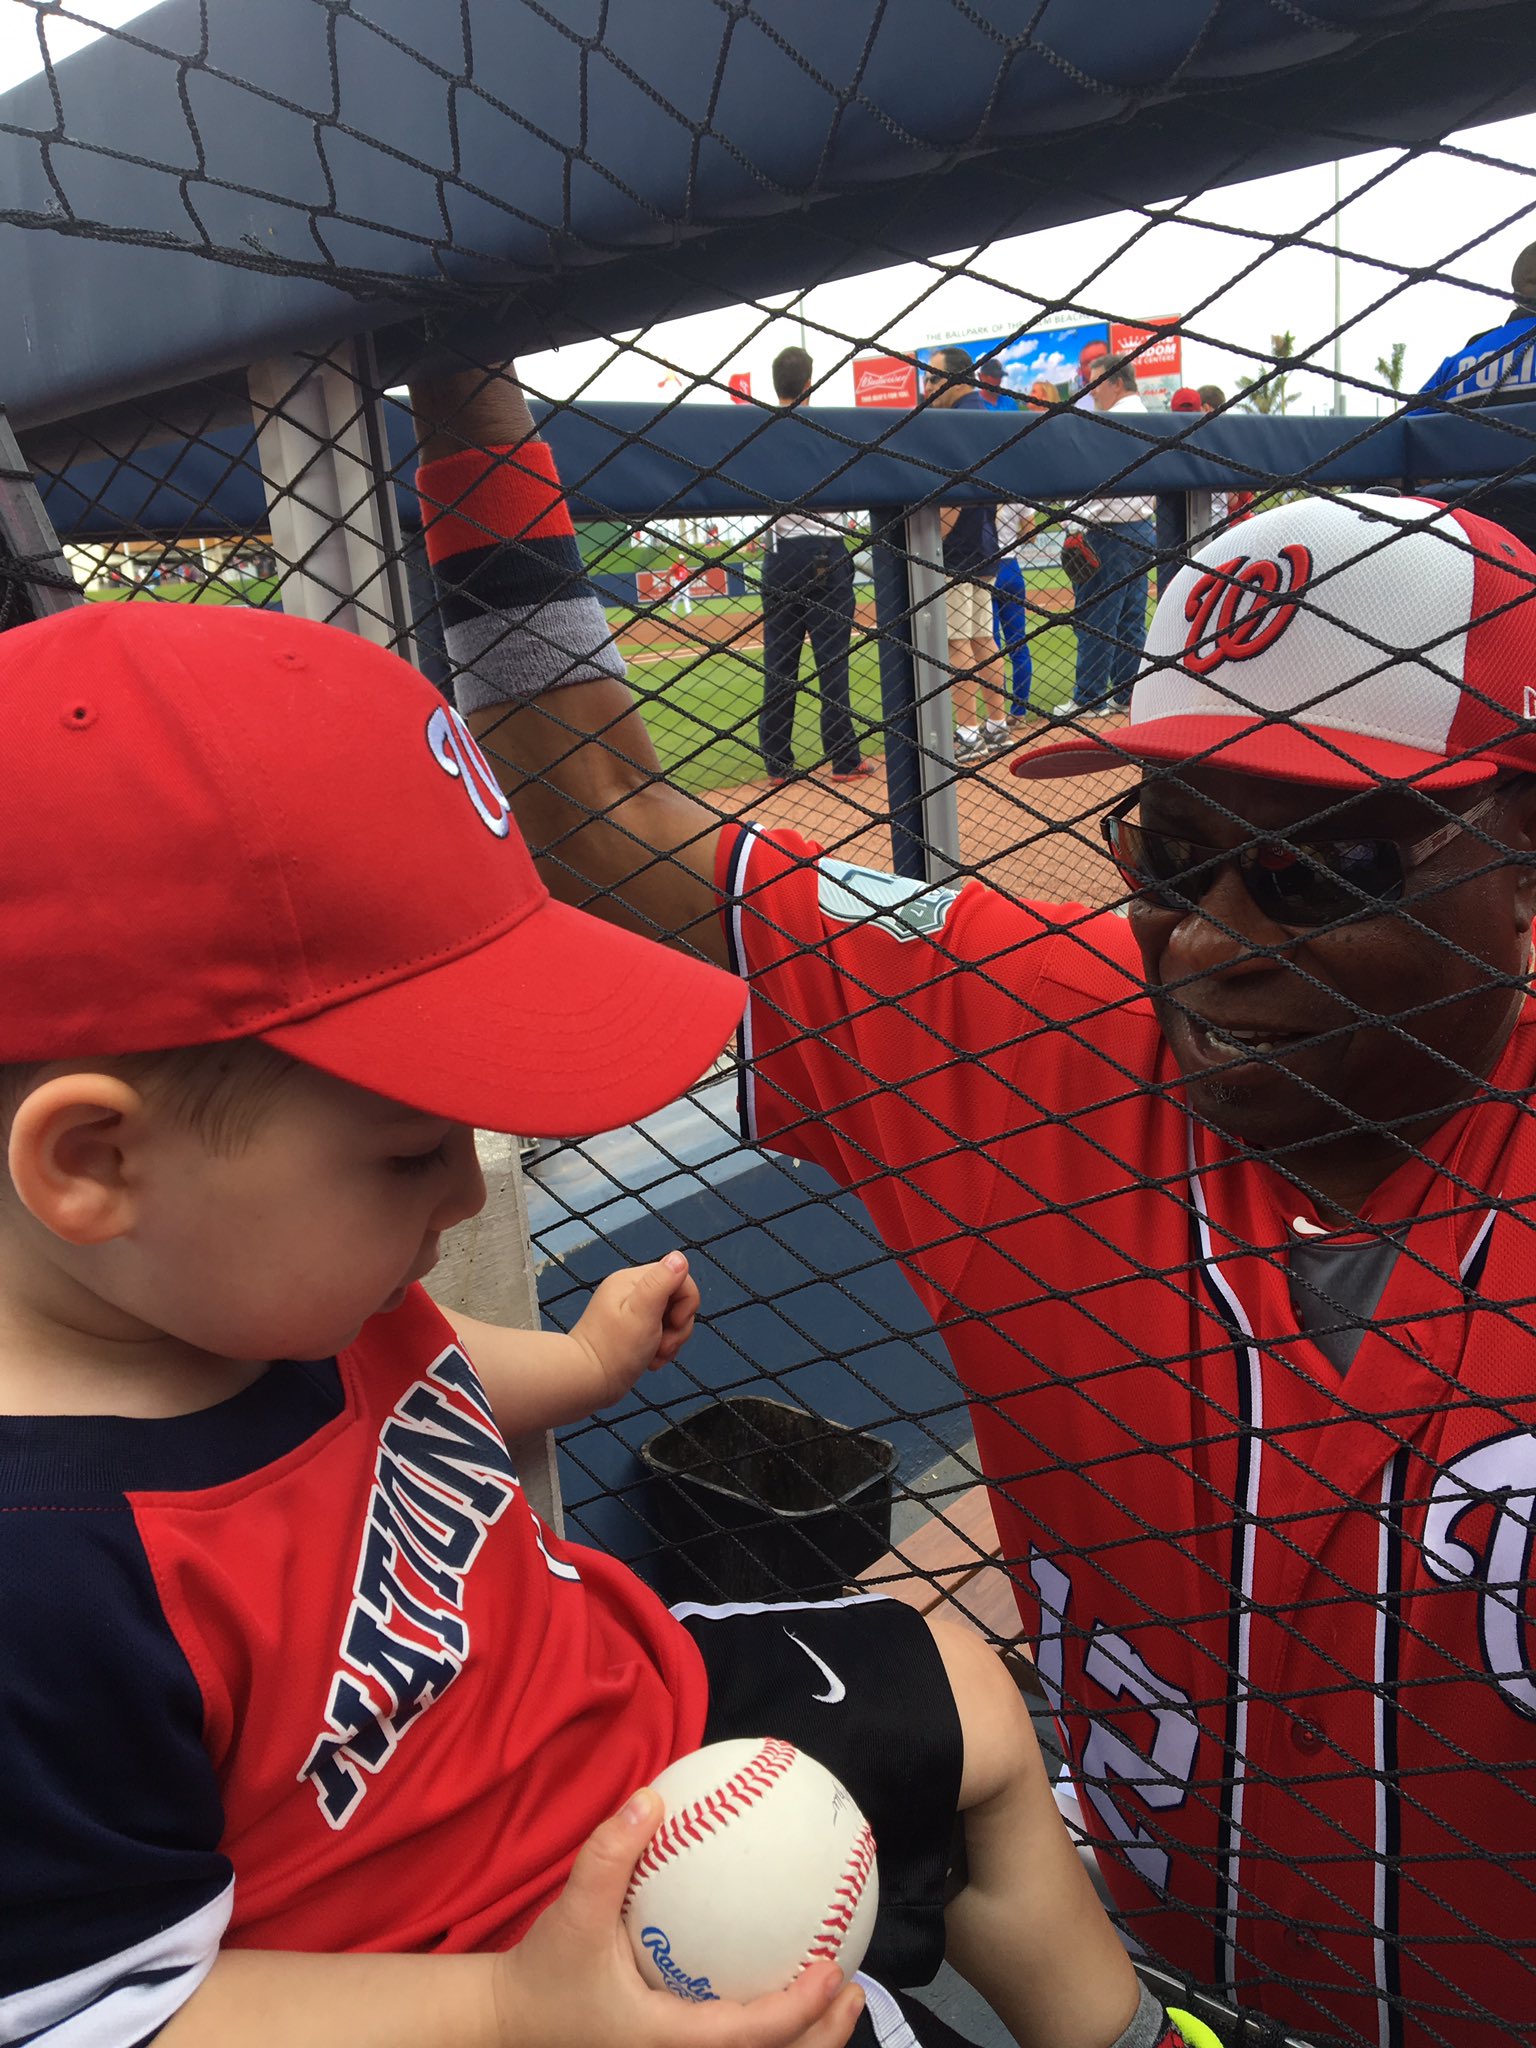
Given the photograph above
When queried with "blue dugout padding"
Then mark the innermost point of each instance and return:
(638, 462)
(219, 181)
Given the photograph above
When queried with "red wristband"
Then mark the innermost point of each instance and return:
(484, 495)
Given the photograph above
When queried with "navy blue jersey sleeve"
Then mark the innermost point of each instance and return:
(113, 1893)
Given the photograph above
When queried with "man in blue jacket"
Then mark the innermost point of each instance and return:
(1497, 367)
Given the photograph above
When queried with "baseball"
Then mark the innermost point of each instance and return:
(762, 1865)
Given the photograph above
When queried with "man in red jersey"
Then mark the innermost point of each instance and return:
(1221, 1205)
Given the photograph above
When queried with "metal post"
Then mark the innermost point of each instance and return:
(1338, 305)
(898, 693)
(931, 673)
(1183, 518)
(485, 1270)
(431, 651)
(35, 577)
(330, 495)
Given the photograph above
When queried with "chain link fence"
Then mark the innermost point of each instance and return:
(1121, 1238)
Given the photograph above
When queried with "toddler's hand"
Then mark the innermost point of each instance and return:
(638, 1320)
(572, 1981)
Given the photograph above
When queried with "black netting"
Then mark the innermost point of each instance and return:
(1118, 1234)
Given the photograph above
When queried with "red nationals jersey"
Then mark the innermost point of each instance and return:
(1285, 1617)
(302, 1671)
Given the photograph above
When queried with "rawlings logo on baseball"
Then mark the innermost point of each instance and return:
(1241, 607)
(763, 1864)
(656, 1945)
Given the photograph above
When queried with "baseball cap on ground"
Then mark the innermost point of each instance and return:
(223, 824)
(1344, 642)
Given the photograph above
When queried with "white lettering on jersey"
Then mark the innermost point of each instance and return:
(453, 749)
(1496, 1560)
(905, 908)
(442, 1478)
(1159, 1779)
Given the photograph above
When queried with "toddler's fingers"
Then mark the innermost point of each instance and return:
(681, 1311)
(812, 2013)
(817, 2011)
(654, 1288)
(838, 2022)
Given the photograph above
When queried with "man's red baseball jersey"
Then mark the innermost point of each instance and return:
(1285, 1615)
(301, 1671)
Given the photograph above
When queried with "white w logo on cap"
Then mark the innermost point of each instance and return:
(454, 750)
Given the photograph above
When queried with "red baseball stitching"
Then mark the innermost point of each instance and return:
(691, 1824)
(849, 1890)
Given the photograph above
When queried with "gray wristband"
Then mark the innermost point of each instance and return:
(515, 655)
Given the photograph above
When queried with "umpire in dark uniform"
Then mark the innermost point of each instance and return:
(807, 589)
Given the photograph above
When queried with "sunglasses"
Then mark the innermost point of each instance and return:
(1302, 883)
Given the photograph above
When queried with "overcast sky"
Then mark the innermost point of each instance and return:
(1465, 211)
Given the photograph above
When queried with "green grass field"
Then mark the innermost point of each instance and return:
(702, 710)
(254, 590)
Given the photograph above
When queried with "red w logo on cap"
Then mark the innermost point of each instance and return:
(1243, 606)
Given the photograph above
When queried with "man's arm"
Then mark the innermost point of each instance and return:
(576, 761)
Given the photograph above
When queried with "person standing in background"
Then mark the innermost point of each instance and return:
(807, 590)
(1010, 615)
(1498, 366)
(1015, 523)
(1089, 364)
(970, 564)
(1495, 368)
(1227, 507)
(990, 388)
(1110, 617)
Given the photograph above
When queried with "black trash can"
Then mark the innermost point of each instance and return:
(755, 1499)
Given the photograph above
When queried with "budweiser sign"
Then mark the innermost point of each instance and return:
(884, 380)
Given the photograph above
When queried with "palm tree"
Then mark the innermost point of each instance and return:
(1390, 368)
(1270, 390)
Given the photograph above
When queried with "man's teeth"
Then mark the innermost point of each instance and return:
(1247, 1041)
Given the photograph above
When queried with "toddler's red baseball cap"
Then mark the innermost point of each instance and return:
(1343, 641)
(224, 824)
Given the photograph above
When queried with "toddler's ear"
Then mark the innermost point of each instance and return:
(66, 1155)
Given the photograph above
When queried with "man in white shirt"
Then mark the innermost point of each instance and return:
(807, 590)
(1110, 616)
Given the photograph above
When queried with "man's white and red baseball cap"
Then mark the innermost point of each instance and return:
(223, 824)
(1347, 642)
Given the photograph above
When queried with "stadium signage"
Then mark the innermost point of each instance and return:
(1054, 360)
(884, 380)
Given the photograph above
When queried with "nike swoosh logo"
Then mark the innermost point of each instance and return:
(836, 1690)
